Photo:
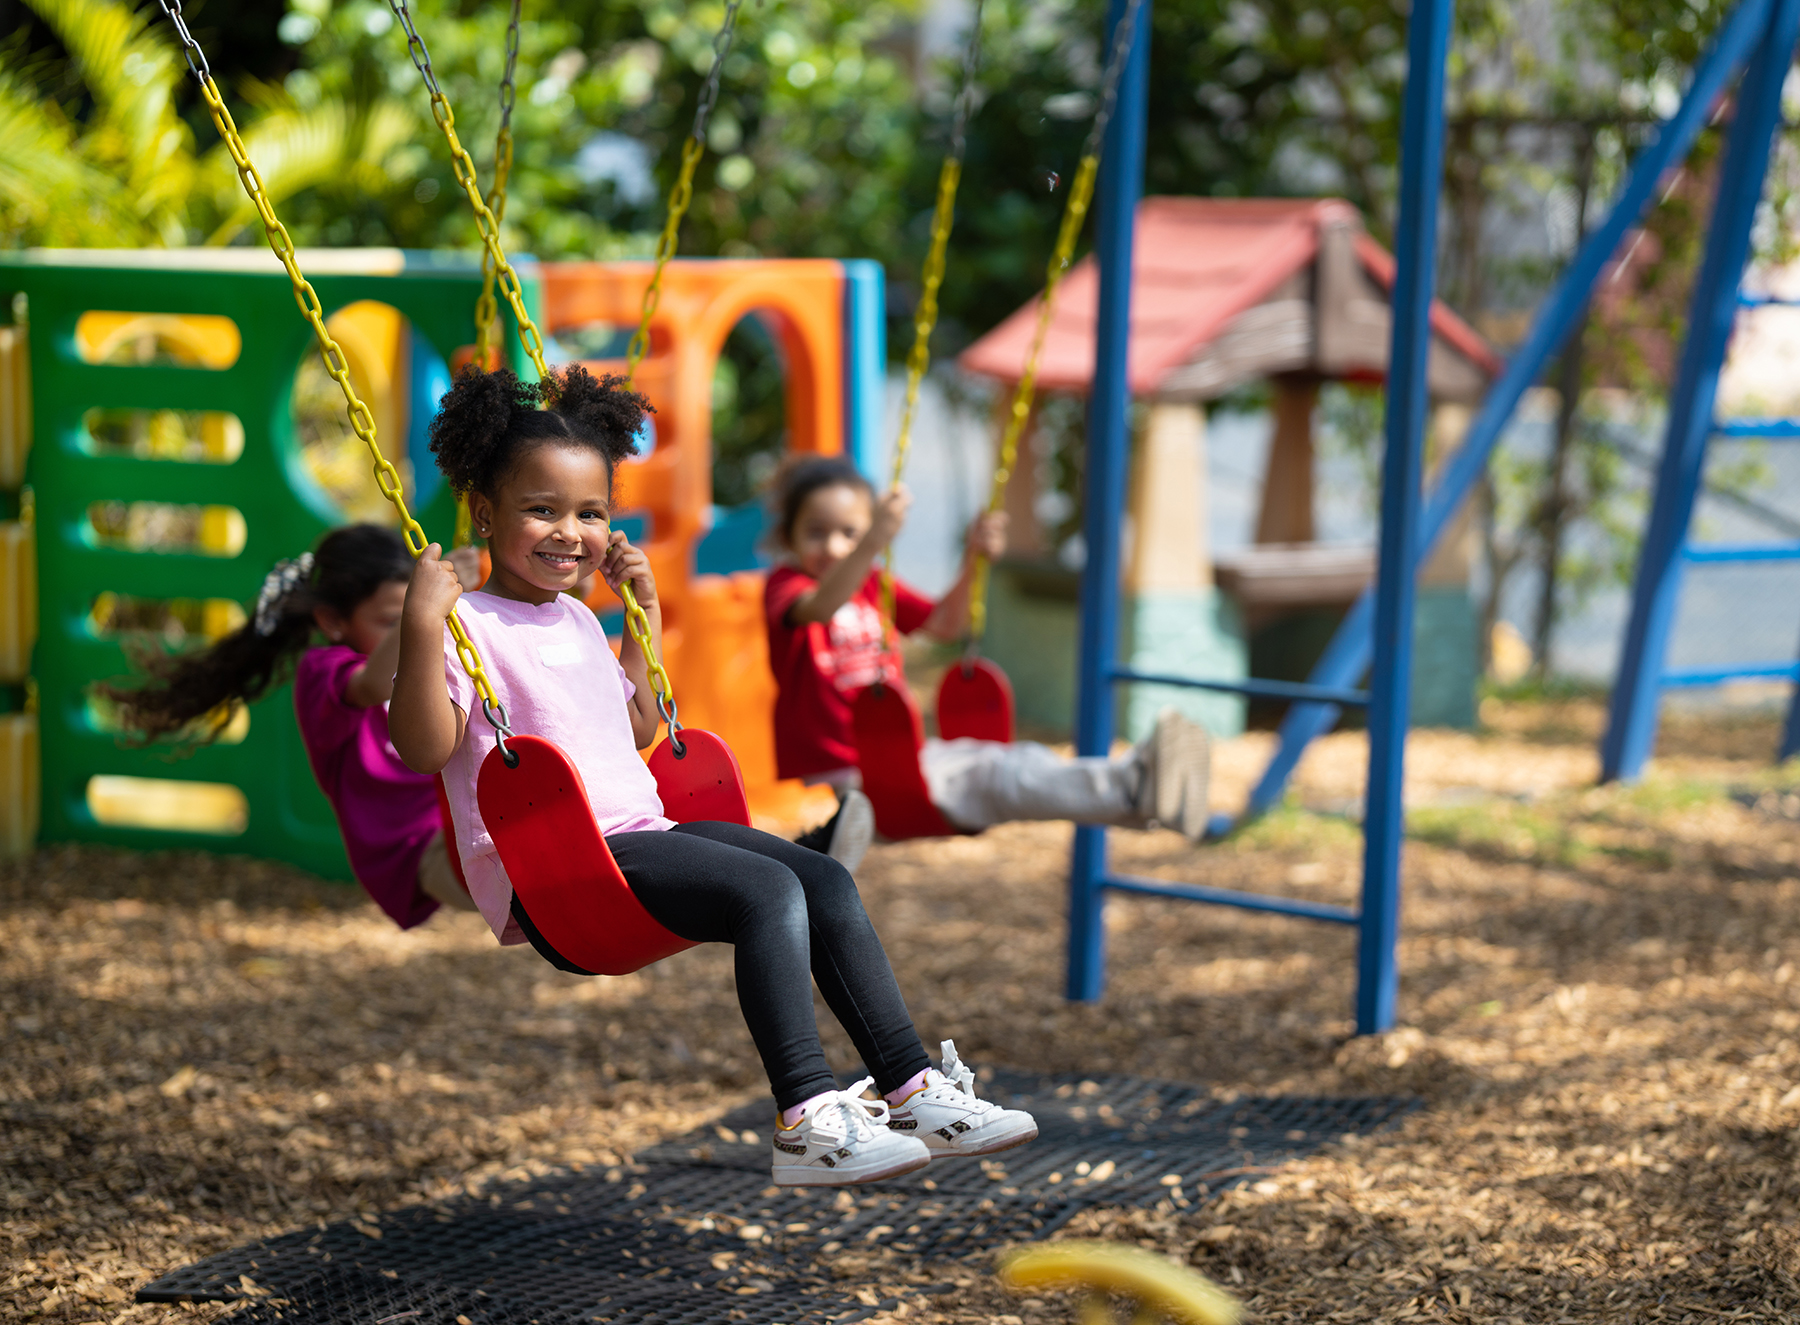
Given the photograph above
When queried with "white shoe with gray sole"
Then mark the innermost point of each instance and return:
(842, 1140)
(1176, 787)
(947, 1115)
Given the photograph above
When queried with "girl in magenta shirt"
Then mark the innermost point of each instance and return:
(349, 593)
(536, 464)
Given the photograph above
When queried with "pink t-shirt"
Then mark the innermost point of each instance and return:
(555, 673)
(386, 812)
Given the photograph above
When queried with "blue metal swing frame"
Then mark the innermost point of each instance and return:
(1375, 638)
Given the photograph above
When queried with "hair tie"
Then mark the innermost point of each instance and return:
(276, 586)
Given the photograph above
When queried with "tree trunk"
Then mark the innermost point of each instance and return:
(1554, 510)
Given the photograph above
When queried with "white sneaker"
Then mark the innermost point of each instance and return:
(840, 1141)
(1175, 791)
(947, 1116)
(853, 831)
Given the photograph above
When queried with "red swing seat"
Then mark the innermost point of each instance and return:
(568, 891)
(975, 700)
(889, 735)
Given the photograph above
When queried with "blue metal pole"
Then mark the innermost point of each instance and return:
(1631, 725)
(1402, 469)
(1790, 731)
(1347, 657)
(1108, 451)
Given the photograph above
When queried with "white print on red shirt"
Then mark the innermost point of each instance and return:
(853, 655)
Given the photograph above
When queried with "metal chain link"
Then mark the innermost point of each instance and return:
(637, 621)
(682, 194)
(930, 278)
(1081, 194)
(387, 478)
(463, 166)
(1124, 37)
(487, 309)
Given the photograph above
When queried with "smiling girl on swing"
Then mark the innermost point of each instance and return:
(536, 463)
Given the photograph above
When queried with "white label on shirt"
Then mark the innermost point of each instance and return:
(560, 655)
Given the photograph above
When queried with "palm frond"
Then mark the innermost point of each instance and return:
(48, 193)
(389, 125)
(132, 71)
(292, 149)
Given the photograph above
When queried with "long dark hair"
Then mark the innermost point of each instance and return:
(488, 422)
(177, 691)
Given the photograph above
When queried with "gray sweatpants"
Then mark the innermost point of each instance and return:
(977, 784)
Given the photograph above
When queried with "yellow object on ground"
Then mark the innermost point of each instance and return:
(1158, 1288)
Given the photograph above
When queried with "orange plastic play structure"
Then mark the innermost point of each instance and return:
(714, 644)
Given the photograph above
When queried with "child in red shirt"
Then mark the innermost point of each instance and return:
(826, 643)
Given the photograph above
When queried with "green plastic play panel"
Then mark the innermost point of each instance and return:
(284, 511)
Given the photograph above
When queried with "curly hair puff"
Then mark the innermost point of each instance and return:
(488, 422)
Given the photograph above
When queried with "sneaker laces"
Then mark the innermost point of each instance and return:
(855, 1117)
(955, 1071)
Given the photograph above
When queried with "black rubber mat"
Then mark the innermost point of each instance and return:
(694, 1232)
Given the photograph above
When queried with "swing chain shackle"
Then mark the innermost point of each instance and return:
(387, 478)
(1081, 194)
(682, 195)
(931, 277)
(666, 705)
(463, 166)
(495, 713)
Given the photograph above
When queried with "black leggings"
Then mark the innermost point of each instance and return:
(794, 916)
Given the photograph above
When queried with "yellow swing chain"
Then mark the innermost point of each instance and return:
(487, 309)
(636, 621)
(931, 276)
(1081, 193)
(387, 478)
(682, 195)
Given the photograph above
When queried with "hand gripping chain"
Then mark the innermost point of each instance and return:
(1081, 193)
(932, 276)
(682, 194)
(387, 478)
(636, 620)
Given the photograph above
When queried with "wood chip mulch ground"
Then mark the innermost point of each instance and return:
(1600, 1009)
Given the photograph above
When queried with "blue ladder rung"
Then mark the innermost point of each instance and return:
(1712, 676)
(1740, 552)
(1774, 428)
(1766, 301)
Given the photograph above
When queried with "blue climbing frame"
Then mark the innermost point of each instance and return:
(1377, 919)
(1643, 673)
